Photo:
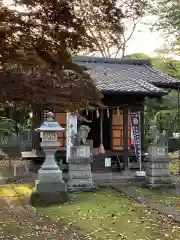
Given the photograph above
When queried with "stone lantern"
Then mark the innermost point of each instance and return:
(49, 188)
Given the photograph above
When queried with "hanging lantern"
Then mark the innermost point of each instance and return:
(118, 111)
(97, 112)
(107, 112)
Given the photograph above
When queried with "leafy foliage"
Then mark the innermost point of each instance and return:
(38, 38)
(162, 113)
(105, 21)
(13, 123)
(8, 127)
(168, 13)
(167, 65)
(3, 155)
(36, 43)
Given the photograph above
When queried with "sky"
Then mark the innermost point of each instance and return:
(143, 40)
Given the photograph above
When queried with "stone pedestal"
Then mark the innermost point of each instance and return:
(80, 176)
(157, 168)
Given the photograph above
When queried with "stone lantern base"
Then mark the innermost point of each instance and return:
(48, 190)
(49, 193)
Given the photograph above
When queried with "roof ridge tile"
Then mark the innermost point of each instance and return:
(111, 60)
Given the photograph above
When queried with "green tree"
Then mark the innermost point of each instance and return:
(38, 38)
(13, 121)
(168, 12)
(162, 113)
(165, 64)
(106, 22)
(36, 44)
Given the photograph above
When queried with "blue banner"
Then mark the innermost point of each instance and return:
(135, 121)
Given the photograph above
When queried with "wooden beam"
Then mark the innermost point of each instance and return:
(125, 137)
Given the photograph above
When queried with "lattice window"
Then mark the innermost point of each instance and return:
(44, 114)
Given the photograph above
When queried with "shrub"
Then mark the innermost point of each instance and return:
(3, 155)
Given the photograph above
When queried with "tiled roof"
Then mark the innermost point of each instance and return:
(123, 75)
(152, 74)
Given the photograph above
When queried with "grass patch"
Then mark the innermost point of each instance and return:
(8, 224)
(14, 227)
(110, 215)
(160, 195)
(103, 215)
(174, 166)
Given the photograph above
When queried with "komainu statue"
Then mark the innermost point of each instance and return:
(157, 137)
(82, 135)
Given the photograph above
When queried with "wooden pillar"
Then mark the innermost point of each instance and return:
(125, 137)
(142, 128)
(36, 122)
(110, 130)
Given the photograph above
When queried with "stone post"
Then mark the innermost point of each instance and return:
(157, 168)
(80, 176)
(49, 188)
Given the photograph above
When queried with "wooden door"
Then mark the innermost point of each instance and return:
(117, 130)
